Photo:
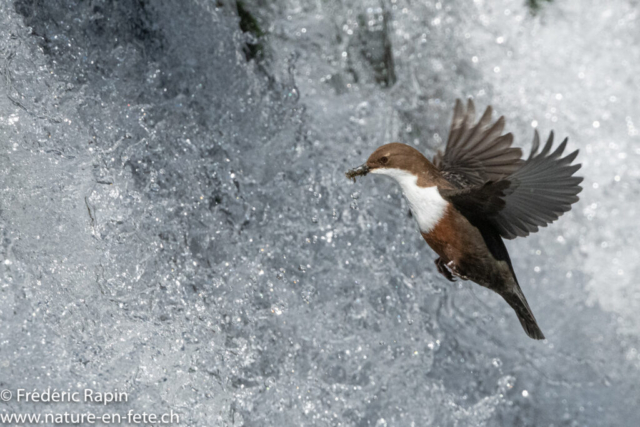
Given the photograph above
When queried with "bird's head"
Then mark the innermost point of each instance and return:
(391, 159)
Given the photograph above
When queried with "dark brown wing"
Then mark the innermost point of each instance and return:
(478, 203)
(532, 197)
(478, 153)
(540, 192)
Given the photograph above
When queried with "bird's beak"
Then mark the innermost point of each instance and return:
(359, 171)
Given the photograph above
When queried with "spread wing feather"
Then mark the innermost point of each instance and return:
(540, 192)
(477, 154)
(494, 185)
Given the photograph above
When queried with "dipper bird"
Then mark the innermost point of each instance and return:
(478, 192)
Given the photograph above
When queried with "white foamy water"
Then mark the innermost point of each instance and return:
(176, 223)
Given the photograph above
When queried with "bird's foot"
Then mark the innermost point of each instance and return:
(454, 269)
(442, 269)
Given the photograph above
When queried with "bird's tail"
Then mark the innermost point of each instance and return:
(518, 302)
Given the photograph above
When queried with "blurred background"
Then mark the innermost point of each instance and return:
(176, 223)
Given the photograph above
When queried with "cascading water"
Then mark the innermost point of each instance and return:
(177, 225)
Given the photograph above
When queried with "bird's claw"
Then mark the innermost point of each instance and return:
(442, 269)
(454, 269)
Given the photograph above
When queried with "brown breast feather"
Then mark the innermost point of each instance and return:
(455, 239)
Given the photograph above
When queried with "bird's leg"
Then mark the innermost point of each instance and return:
(442, 269)
(454, 269)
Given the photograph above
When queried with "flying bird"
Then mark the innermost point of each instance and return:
(477, 193)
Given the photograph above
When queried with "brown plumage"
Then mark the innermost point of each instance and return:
(478, 192)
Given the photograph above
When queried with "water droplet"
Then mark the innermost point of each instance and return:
(381, 422)
(507, 382)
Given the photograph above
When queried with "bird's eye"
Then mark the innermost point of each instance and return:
(384, 160)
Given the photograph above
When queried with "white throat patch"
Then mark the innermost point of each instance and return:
(427, 205)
